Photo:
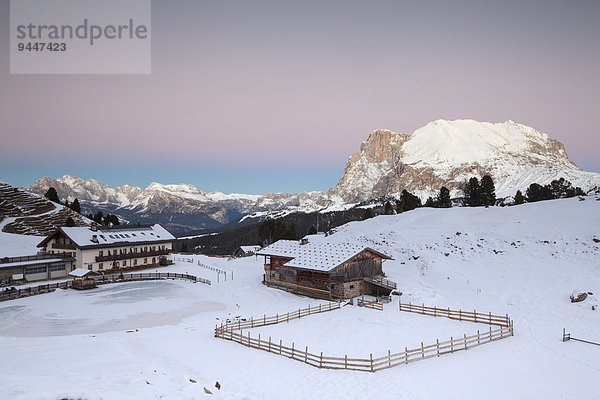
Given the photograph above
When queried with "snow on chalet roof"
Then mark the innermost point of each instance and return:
(81, 273)
(250, 249)
(316, 256)
(84, 236)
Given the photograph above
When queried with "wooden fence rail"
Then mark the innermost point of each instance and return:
(459, 315)
(375, 305)
(567, 336)
(234, 331)
(8, 294)
(277, 319)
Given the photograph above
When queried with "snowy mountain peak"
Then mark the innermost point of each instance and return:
(447, 153)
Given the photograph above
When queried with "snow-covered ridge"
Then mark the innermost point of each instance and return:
(448, 153)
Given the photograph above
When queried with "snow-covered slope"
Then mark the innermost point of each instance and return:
(448, 153)
(22, 212)
(522, 260)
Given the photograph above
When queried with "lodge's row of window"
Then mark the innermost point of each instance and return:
(123, 263)
(133, 250)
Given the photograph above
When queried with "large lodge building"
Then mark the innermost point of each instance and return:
(325, 270)
(109, 248)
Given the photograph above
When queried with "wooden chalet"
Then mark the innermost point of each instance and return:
(83, 279)
(326, 270)
(245, 251)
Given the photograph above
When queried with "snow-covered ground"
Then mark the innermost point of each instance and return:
(523, 260)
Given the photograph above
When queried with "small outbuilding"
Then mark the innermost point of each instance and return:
(83, 279)
(245, 251)
(326, 270)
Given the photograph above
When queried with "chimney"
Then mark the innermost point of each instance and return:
(304, 241)
(94, 227)
(95, 238)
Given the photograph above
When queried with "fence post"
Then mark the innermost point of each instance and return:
(288, 317)
(477, 336)
(321, 361)
(269, 344)
(437, 343)
(389, 358)
(371, 357)
(490, 317)
(264, 319)
(292, 350)
(465, 336)
(252, 321)
(460, 315)
(422, 351)
(345, 361)
(475, 315)
(451, 345)
(490, 333)
(306, 355)
(249, 345)
(279, 346)
(259, 341)
(406, 355)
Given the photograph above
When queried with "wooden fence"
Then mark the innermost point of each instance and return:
(229, 331)
(8, 294)
(276, 319)
(375, 305)
(217, 270)
(459, 315)
(567, 336)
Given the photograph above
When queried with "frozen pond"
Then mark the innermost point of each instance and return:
(113, 307)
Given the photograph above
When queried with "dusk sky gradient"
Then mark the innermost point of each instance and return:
(257, 96)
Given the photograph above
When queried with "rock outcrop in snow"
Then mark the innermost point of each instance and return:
(448, 153)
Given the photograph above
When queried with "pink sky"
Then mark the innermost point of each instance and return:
(264, 83)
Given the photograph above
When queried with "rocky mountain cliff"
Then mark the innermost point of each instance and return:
(448, 153)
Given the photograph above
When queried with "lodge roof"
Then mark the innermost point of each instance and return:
(86, 237)
(321, 256)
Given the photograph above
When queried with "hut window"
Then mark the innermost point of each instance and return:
(351, 286)
(90, 267)
(100, 265)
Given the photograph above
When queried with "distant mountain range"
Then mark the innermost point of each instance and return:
(180, 208)
(442, 153)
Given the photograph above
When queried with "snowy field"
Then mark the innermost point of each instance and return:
(154, 340)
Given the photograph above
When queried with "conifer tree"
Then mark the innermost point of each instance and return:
(69, 222)
(52, 195)
(472, 193)
(75, 206)
(488, 191)
(519, 198)
(443, 199)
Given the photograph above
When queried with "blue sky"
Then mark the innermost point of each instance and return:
(270, 96)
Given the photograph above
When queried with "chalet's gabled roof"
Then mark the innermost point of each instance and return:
(83, 237)
(319, 256)
(82, 273)
(250, 249)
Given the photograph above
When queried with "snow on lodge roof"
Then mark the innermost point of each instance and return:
(114, 236)
(315, 256)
